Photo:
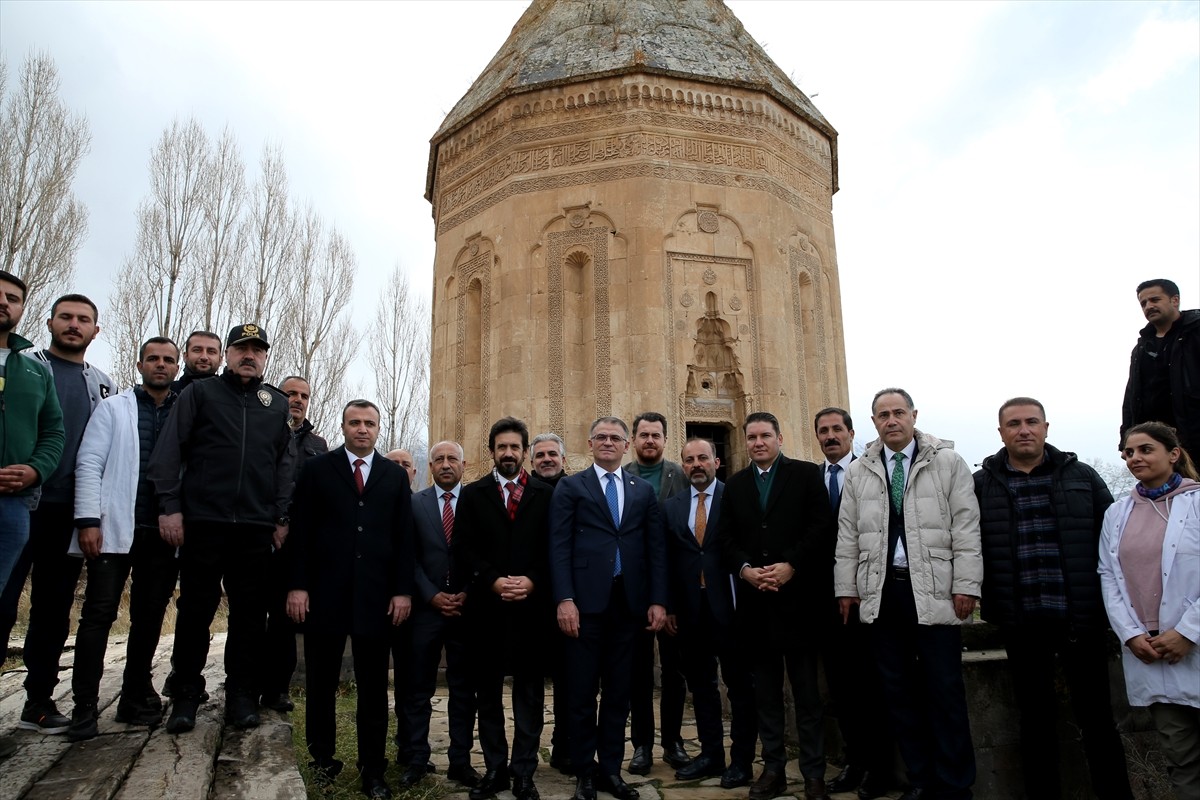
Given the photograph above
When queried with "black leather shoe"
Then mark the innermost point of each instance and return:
(183, 715)
(413, 775)
(585, 788)
(278, 702)
(847, 780)
(523, 788)
(617, 787)
(640, 763)
(737, 775)
(872, 787)
(769, 784)
(464, 774)
(493, 782)
(815, 789)
(241, 711)
(676, 756)
(325, 771)
(375, 787)
(560, 761)
(701, 767)
(915, 793)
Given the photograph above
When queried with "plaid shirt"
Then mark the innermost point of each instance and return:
(1040, 582)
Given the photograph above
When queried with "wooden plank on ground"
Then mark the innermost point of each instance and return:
(91, 770)
(259, 764)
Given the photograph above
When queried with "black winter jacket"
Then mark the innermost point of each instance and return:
(1079, 497)
(225, 453)
(1183, 366)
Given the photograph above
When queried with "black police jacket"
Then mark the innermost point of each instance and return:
(225, 453)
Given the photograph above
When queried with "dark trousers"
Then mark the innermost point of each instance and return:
(236, 556)
(858, 700)
(402, 671)
(799, 664)
(1084, 658)
(431, 633)
(528, 701)
(921, 668)
(323, 664)
(55, 576)
(560, 740)
(702, 644)
(641, 700)
(106, 576)
(155, 568)
(600, 662)
(279, 660)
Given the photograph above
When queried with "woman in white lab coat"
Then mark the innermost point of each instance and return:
(1150, 573)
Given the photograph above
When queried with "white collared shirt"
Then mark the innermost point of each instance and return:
(453, 500)
(708, 498)
(365, 469)
(618, 480)
(900, 557)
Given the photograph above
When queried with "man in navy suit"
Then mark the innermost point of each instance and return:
(703, 609)
(854, 682)
(351, 558)
(437, 624)
(608, 570)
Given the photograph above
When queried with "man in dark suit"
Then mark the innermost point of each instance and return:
(854, 682)
(437, 625)
(351, 554)
(777, 535)
(667, 478)
(501, 545)
(703, 609)
(609, 574)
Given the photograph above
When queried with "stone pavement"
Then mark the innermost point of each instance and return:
(125, 762)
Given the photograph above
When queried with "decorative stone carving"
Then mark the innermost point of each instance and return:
(710, 277)
(480, 267)
(687, 300)
(559, 244)
(735, 303)
(708, 221)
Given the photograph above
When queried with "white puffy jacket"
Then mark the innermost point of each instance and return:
(106, 472)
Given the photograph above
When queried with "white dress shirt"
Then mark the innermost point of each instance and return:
(617, 479)
(708, 498)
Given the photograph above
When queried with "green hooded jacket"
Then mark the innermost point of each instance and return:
(31, 423)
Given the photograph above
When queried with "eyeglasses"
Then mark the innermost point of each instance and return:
(601, 438)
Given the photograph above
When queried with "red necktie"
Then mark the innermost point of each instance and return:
(358, 479)
(447, 516)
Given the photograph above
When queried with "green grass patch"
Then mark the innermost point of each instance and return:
(348, 784)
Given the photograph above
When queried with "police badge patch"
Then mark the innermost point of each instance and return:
(264, 397)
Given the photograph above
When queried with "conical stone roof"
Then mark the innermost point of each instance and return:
(564, 41)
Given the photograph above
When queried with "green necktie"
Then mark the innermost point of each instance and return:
(898, 482)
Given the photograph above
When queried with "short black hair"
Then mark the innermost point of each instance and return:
(608, 421)
(14, 280)
(202, 334)
(650, 416)
(1170, 288)
(762, 416)
(1021, 401)
(834, 410)
(892, 390)
(359, 403)
(75, 298)
(508, 425)
(156, 340)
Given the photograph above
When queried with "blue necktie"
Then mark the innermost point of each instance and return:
(614, 508)
(835, 491)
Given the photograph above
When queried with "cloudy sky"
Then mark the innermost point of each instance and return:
(1009, 172)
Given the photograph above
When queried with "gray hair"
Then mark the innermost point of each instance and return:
(550, 437)
(892, 390)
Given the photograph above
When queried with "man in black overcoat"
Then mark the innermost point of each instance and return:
(352, 575)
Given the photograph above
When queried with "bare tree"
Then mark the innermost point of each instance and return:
(316, 324)
(1115, 475)
(398, 355)
(220, 244)
(269, 231)
(42, 224)
(130, 307)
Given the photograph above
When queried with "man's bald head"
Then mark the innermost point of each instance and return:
(404, 459)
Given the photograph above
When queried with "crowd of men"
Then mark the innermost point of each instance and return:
(216, 480)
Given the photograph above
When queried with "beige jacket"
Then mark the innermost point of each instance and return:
(941, 529)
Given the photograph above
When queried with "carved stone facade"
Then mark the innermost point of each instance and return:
(634, 242)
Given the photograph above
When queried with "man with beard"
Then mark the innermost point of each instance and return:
(73, 325)
(501, 543)
(31, 431)
(201, 358)
(702, 603)
(352, 576)
(223, 471)
(668, 480)
(117, 520)
(437, 625)
(548, 455)
(280, 660)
